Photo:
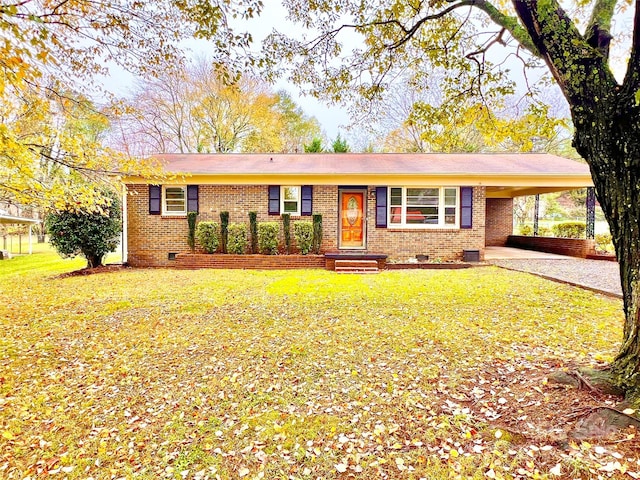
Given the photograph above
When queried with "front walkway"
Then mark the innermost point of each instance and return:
(597, 275)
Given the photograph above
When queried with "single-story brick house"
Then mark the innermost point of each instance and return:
(400, 205)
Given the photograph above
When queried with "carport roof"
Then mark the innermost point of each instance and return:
(10, 219)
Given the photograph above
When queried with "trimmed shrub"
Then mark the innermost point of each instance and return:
(191, 237)
(545, 232)
(303, 231)
(526, 230)
(268, 237)
(604, 243)
(87, 233)
(237, 238)
(207, 235)
(253, 231)
(570, 230)
(286, 228)
(316, 244)
(224, 230)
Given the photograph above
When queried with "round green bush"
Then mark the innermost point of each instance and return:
(570, 230)
(526, 230)
(604, 243)
(91, 234)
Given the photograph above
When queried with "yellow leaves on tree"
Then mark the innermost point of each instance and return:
(50, 133)
(474, 127)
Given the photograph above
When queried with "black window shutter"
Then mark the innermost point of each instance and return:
(192, 198)
(307, 200)
(155, 199)
(381, 207)
(274, 199)
(466, 207)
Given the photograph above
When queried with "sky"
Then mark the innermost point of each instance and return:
(333, 119)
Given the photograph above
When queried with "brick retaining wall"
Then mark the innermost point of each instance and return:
(573, 247)
(253, 262)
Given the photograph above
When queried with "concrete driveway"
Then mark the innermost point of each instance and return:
(598, 275)
(510, 253)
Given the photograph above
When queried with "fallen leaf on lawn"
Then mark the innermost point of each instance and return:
(341, 467)
(611, 467)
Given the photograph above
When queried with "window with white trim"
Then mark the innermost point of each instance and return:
(424, 207)
(290, 200)
(174, 200)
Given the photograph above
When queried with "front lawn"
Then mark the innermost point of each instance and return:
(298, 374)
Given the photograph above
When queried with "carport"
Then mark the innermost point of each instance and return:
(5, 218)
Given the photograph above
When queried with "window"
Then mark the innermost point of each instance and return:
(290, 200)
(174, 200)
(424, 207)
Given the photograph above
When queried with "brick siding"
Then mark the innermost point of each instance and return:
(152, 237)
(499, 221)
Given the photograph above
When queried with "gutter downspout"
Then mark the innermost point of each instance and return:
(125, 229)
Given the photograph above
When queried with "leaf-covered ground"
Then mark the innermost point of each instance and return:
(298, 374)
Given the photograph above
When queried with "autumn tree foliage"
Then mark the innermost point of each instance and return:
(415, 115)
(195, 108)
(76, 231)
(420, 121)
(52, 59)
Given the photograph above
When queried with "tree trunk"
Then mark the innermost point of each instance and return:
(93, 261)
(608, 137)
(606, 117)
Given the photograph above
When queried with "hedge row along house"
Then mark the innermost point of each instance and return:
(395, 205)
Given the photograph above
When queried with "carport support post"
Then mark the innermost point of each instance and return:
(30, 239)
(536, 214)
(591, 213)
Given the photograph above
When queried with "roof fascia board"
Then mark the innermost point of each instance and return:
(501, 180)
(513, 192)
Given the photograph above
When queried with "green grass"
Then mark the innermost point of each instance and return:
(296, 374)
(45, 260)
